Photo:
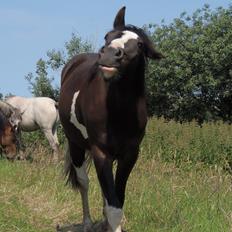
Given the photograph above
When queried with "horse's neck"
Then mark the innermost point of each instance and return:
(131, 86)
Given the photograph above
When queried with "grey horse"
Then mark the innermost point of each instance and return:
(38, 113)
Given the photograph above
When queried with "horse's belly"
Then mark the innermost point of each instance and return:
(29, 126)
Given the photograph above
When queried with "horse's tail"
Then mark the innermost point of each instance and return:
(56, 104)
(69, 170)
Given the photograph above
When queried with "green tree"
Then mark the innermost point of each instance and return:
(194, 80)
(41, 83)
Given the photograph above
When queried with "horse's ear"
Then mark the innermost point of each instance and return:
(11, 112)
(155, 55)
(151, 52)
(119, 20)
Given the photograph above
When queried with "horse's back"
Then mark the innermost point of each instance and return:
(44, 104)
(45, 112)
(36, 111)
(45, 107)
(18, 102)
(76, 73)
(79, 64)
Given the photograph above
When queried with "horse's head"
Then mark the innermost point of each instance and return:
(8, 138)
(125, 46)
(15, 119)
(13, 115)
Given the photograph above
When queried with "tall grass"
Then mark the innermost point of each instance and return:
(188, 142)
(178, 184)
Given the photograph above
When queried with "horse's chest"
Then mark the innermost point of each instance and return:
(108, 121)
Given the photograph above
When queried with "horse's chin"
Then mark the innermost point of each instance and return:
(108, 72)
(12, 159)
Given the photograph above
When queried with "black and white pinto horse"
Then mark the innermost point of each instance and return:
(103, 110)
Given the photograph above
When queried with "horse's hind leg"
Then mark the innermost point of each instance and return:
(53, 143)
(54, 132)
(77, 175)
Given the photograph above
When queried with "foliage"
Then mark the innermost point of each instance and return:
(41, 82)
(194, 80)
(30, 142)
(210, 143)
(4, 96)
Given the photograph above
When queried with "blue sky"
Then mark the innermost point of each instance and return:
(30, 28)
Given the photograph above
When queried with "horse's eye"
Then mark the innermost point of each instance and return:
(140, 44)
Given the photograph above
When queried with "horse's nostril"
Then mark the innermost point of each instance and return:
(119, 53)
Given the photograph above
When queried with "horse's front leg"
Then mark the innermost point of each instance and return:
(112, 209)
(124, 168)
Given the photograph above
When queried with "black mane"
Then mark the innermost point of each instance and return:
(139, 31)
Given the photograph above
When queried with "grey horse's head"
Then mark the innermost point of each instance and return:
(13, 115)
(15, 119)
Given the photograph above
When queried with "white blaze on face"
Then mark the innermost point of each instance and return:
(73, 118)
(120, 42)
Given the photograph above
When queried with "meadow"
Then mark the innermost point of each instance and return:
(181, 182)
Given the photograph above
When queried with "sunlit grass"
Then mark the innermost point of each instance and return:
(174, 186)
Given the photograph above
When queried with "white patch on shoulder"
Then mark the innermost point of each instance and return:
(114, 217)
(120, 42)
(73, 118)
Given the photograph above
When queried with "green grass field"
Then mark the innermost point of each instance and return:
(179, 183)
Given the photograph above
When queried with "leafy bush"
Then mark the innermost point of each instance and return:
(188, 142)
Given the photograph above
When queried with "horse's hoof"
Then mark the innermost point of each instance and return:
(100, 227)
(57, 227)
(88, 227)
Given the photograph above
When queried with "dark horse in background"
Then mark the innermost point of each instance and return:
(8, 140)
(103, 110)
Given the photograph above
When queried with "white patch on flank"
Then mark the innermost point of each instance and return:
(82, 174)
(73, 118)
(83, 179)
(114, 217)
(120, 42)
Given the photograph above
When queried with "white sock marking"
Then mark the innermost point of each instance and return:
(82, 175)
(73, 118)
(114, 217)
